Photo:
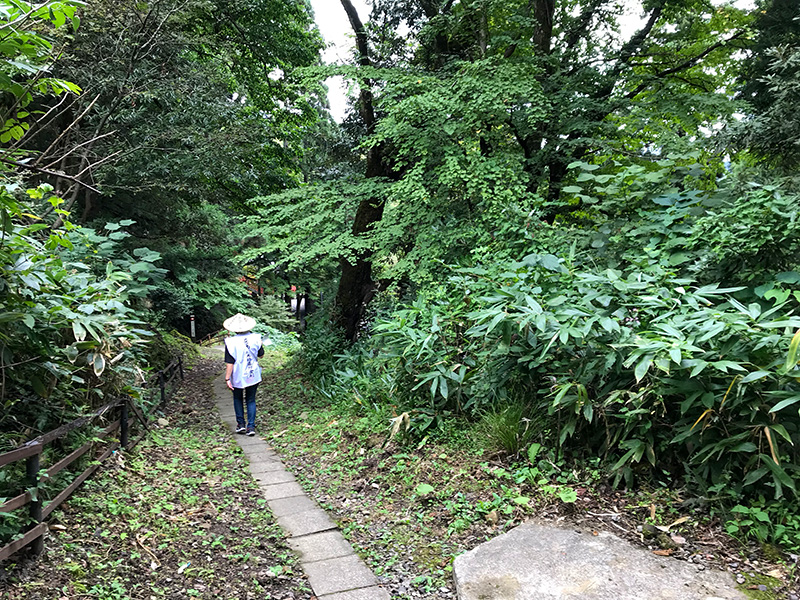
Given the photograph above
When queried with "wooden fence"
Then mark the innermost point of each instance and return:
(103, 446)
(212, 339)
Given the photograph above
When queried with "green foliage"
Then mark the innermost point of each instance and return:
(274, 313)
(298, 235)
(69, 334)
(510, 429)
(25, 57)
(637, 363)
(765, 522)
(771, 81)
(321, 343)
(279, 340)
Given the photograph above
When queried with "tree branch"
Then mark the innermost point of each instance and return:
(684, 65)
(48, 172)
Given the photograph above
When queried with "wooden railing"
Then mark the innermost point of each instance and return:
(103, 445)
(213, 338)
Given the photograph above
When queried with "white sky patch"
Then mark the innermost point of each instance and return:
(338, 35)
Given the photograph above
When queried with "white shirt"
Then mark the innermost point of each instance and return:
(244, 350)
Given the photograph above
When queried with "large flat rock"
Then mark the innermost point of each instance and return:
(534, 562)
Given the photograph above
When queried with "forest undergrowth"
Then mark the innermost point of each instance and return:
(179, 517)
(410, 506)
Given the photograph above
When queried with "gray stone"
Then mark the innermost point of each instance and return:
(370, 593)
(281, 490)
(532, 562)
(265, 466)
(338, 575)
(262, 458)
(309, 521)
(254, 452)
(273, 477)
(288, 506)
(253, 444)
(320, 546)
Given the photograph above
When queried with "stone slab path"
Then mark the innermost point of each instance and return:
(334, 571)
(534, 562)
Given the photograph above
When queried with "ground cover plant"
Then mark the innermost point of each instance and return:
(179, 517)
(652, 346)
(409, 505)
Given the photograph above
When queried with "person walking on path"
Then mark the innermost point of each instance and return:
(242, 371)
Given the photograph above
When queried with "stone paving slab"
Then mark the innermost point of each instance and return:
(255, 453)
(333, 570)
(534, 562)
(321, 546)
(263, 458)
(370, 593)
(281, 490)
(273, 477)
(288, 506)
(306, 522)
(250, 442)
(338, 575)
(265, 466)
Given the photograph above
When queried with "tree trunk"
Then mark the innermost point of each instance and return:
(356, 286)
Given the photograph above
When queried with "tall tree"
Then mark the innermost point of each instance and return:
(514, 93)
(191, 107)
(356, 285)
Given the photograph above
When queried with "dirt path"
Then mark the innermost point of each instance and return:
(180, 517)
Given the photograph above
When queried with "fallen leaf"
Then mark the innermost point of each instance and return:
(666, 552)
(652, 511)
(678, 522)
(57, 527)
(678, 539)
(776, 573)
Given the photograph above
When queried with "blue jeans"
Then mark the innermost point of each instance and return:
(249, 396)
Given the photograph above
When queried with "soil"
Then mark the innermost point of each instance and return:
(410, 508)
(178, 517)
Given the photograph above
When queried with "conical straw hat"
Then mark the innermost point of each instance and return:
(239, 323)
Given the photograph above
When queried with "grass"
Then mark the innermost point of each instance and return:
(180, 517)
(409, 506)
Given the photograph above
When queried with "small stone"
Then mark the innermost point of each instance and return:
(649, 530)
(665, 542)
(679, 540)
(163, 422)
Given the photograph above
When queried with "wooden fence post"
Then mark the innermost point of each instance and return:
(123, 425)
(180, 366)
(32, 476)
